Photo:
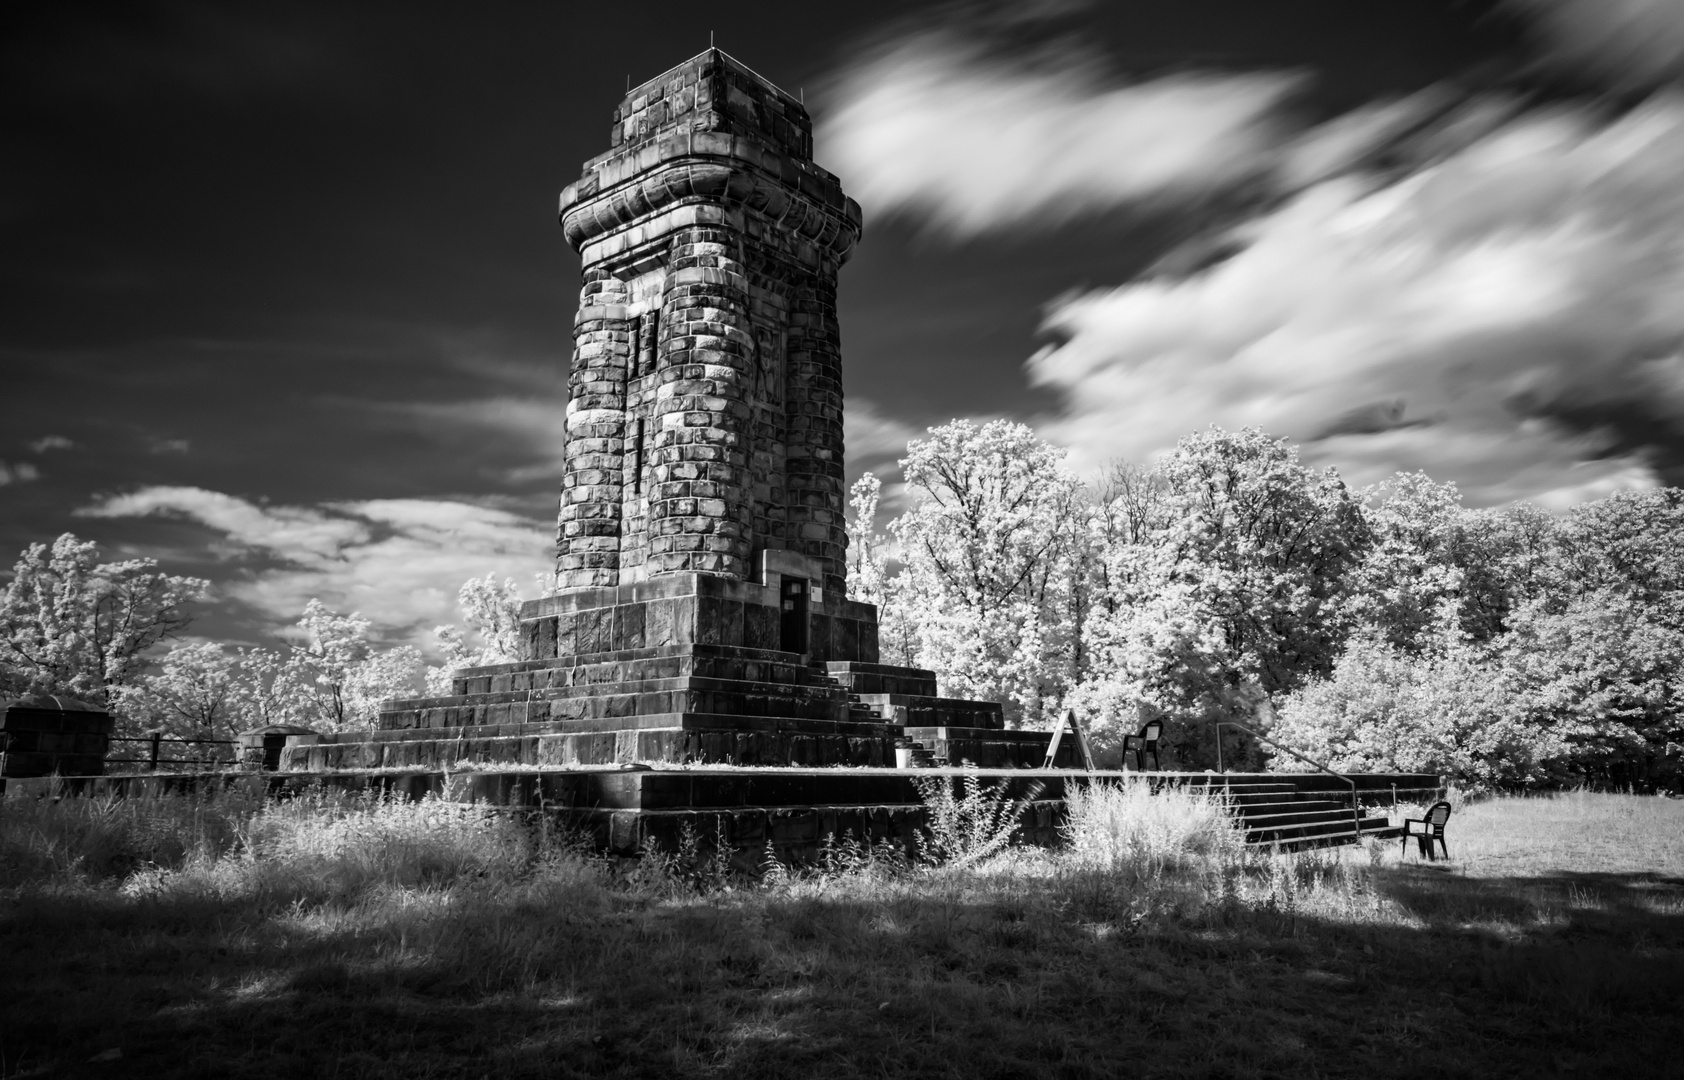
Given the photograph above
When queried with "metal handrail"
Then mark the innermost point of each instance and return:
(155, 741)
(1356, 815)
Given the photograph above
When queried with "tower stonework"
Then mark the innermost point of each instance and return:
(704, 420)
(699, 615)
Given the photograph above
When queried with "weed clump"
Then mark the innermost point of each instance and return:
(1127, 826)
(968, 821)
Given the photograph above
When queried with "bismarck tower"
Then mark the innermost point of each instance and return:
(703, 491)
(705, 405)
(700, 612)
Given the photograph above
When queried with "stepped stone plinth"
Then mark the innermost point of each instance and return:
(701, 613)
(792, 813)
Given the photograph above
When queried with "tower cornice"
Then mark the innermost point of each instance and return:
(709, 167)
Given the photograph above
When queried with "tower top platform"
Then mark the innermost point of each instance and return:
(710, 130)
(711, 91)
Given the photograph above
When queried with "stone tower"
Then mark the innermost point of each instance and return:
(704, 418)
(699, 615)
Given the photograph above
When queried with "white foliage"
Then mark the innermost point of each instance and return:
(987, 544)
(492, 612)
(70, 624)
(346, 676)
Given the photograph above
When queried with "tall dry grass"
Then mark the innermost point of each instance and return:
(228, 935)
(1127, 825)
(317, 848)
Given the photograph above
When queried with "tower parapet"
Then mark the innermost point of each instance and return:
(704, 422)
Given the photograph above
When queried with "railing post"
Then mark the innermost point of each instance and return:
(152, 757)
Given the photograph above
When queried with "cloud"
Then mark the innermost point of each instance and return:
(934, 128)
(398, 561)
(536, 424)
(21, 473)
(303, 535)
(1506, 317)
(1626, 44)
(871, 435)
(158, 445)
(50, 442)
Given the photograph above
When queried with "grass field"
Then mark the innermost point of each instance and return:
(182, 938)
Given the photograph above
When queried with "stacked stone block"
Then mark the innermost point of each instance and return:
(589, 524)
(709, 420)
(47, 735)
(700, 514)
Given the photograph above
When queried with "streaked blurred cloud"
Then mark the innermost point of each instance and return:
(871, 435)
(936, 129)
(1625, 44)
(1473, 284)
(398, 561)
(1505, 317)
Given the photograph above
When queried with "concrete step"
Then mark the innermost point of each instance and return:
(1312, 834)
(1270, 798)
(1297, 817)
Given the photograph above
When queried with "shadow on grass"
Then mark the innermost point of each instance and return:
(1608, 903)
(1056, 976)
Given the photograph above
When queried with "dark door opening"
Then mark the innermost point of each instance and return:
(792, 626)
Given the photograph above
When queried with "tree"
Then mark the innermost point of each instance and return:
(492, 612)
(272, 687)
(70, 624)
(986, 545)
(1138, 636)
(1220, 576)
(1413, 563)
(868, 575)
(1441, 710)
(1632, 544)
(868, 558)
(1266, 546)
(1508, 559)
(1607, 675)
(346, 677)
(192, 696)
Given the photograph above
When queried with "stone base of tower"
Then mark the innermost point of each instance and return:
(676, 671)
(783, 611)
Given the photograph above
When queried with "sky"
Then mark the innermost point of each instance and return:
(284, 303)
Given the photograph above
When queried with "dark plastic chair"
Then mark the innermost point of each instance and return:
(1427, 829)
(1144, 743)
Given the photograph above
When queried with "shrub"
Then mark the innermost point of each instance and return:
(1446, 711)
(1128, 827)
(972, 822)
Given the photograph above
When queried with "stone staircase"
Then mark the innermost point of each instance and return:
(1297, 812)
(941, 730)
(681, 704)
